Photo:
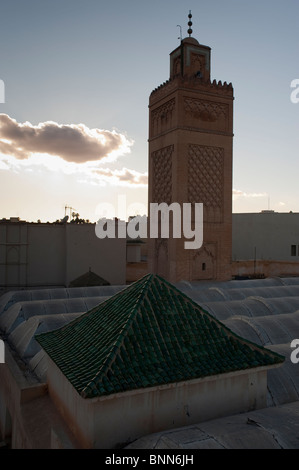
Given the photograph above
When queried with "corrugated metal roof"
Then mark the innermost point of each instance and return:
(269, 428)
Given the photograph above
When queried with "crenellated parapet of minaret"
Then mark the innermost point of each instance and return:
(194, 83)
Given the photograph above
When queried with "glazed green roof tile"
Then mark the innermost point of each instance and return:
(89, 279)
(148, 334)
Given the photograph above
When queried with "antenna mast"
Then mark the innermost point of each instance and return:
(70, 208)
(180, 36)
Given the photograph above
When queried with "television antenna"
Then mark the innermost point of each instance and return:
(71, 210)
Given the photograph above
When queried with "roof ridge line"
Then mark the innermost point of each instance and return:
(106, 366)
(226, 328)
(223, 326)
(88, 312)
(169, 286)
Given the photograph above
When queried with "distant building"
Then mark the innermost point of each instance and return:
(55, 254)
(265, 244)
(266, 235)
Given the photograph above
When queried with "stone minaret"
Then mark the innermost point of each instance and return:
(190, 160)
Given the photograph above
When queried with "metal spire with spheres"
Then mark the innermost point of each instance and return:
(189, 24)
(189, 31)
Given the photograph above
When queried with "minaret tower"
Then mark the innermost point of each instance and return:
(190, 161)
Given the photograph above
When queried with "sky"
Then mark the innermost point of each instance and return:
(75, 81)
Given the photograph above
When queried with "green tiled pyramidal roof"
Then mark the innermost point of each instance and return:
(148, 334)
(89, 279)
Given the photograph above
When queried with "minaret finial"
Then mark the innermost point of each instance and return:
(189, 24)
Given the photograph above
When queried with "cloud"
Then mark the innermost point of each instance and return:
(75, 143)
(88, 173)
(124, 177)
(238, 193)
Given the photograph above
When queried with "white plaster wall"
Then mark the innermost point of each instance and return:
(113, 421)
(3, 412)
(133, 253)
(122, 419)
(13, 254)
(55, 255)
(75, 410)
(267, 236)
(46, 255)
(105, 257)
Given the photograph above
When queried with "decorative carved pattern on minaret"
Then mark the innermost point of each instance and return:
(161, 244)
(161, 117)
(205, 179)
(161, 254)
(206, 110)
(204, 261)
(198, 62)
(208, 249)
(177, 66)
(162, 175)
